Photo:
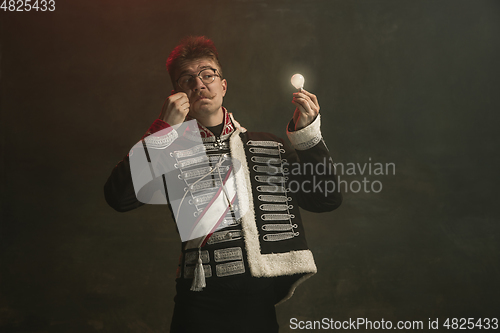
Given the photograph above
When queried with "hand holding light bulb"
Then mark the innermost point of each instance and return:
(307, 104)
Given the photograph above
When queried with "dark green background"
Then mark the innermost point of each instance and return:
(413, 83)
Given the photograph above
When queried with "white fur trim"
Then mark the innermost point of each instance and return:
(306, 137)
(245, 199)
(262, 265)
(237, 124)
(289, 263)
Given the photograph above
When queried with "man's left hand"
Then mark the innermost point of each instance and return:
(307, 108)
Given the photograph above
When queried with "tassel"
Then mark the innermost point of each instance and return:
(199, 275)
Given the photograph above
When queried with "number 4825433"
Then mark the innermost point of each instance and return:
(28, 5)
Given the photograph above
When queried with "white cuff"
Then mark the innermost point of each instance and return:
(306, 137)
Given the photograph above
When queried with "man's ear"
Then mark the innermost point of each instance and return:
(224, 87)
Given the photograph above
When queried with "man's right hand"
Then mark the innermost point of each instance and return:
(175, 109)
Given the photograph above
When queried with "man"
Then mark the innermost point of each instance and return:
(236, 186)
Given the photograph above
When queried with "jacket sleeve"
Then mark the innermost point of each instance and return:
(119, 188)
(311, 171)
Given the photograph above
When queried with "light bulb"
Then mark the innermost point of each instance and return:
(298, 81)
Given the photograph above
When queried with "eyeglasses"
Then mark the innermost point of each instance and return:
(206, 76)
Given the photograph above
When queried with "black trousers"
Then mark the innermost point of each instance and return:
(224, 310)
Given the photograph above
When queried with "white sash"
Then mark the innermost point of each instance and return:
(213, 214)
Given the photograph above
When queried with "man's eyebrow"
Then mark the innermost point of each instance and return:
(199, 69)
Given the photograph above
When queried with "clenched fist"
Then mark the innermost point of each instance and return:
(175, 109)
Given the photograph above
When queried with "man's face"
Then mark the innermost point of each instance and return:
(204, 99)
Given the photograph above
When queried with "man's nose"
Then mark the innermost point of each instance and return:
(198, 84)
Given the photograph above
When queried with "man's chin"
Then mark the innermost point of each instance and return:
(203, 111)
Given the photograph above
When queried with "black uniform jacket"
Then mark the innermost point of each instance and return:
(272, 182)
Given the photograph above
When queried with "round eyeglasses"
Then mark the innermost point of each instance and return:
(206, 76)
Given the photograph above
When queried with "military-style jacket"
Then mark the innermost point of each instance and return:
(272, 180)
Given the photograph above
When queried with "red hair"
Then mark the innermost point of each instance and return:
(192, 48)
